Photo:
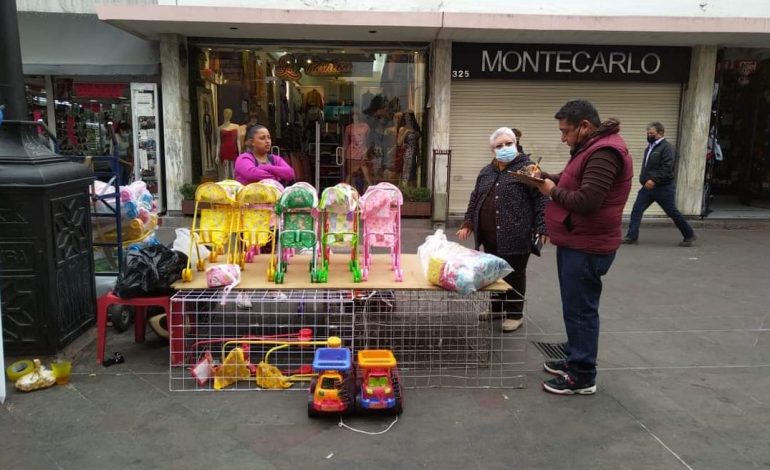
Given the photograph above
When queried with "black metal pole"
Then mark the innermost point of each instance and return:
(12, 93)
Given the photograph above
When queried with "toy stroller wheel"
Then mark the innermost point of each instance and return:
(279, 278)
(121, 317)
(187, 275)
(399, 275)
(200, 266)
(249, 257)
(213, 256)
(220, 250)
(356, 276)
(270, 274)
(365, 274)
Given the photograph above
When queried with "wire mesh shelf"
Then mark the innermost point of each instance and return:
(268, 337)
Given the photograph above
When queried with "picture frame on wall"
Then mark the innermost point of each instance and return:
(206, 129)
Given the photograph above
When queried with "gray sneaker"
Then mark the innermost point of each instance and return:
(688, 241)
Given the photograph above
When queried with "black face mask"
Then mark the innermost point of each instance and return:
(651, 139)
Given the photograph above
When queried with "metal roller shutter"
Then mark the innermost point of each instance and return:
(480, 107)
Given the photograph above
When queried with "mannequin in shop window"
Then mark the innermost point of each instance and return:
(228, 143)
(208, 136)
(354, 145)
(393, 160)
(253, 121)
(409, 145)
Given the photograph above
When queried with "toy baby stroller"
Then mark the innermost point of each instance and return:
(381, 219)
(215, 224)
(339, 227)
(298, 227)
(257, 223)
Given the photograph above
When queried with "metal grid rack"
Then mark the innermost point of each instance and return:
(440, 339)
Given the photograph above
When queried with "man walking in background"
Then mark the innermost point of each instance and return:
(657, 179)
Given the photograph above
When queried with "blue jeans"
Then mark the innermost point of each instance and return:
(580, 282)
(665, 196)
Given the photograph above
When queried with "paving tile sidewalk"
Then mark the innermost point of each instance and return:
(683, 380)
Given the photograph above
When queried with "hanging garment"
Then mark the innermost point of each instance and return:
(228, 144)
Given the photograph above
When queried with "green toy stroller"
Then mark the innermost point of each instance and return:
(339, 227)
(297, 210)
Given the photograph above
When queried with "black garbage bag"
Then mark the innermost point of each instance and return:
(149, 272)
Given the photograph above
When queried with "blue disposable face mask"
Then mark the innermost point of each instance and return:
(506, 154)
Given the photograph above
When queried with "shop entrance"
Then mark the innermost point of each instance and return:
(336, 114)
(738, 165)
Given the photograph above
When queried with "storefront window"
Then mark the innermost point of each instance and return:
(361, 109)
(88, 116)
(739, 165)
(37, 98)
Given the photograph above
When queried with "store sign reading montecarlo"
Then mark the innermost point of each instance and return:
(570, 62)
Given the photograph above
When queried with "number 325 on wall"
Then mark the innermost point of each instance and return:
(461, 74)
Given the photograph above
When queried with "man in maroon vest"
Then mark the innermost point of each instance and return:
(584, 222)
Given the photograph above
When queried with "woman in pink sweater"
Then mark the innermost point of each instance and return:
(257, 163)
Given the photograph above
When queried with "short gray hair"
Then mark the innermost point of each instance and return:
(506, 131)
(657, 126)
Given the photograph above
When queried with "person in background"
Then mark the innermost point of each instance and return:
(257, 163)
(124, 151)
(584, 222)
(657, 180)
(502, 215)
(518, 139)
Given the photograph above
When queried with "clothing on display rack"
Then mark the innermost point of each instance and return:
(313, 99)
(409, 142)
(366, 99)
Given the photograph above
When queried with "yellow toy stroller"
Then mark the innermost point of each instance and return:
(339, 227)
(298, 227)
(258, 223)
(215, 224)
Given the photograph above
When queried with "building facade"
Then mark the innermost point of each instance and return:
(457, 70)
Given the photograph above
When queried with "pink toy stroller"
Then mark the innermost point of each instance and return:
(381, 221)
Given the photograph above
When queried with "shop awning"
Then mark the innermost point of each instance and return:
(335, 25)
(66, 44)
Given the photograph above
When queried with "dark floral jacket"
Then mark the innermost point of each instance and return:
(519, 209)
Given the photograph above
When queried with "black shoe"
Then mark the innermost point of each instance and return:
(116, 358)
(568, 386)
(630, 241)
(556, 367)
(688, 241)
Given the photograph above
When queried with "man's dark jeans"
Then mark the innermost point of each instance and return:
(580, 281)
(665, 196)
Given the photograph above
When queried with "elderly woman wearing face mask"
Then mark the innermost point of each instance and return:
(503, 213)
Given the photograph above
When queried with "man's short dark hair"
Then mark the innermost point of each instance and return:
(577, 111)
(657, 126)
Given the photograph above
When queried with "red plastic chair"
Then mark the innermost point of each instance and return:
(140, 305)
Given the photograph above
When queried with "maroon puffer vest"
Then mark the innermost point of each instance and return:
(599, 232)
